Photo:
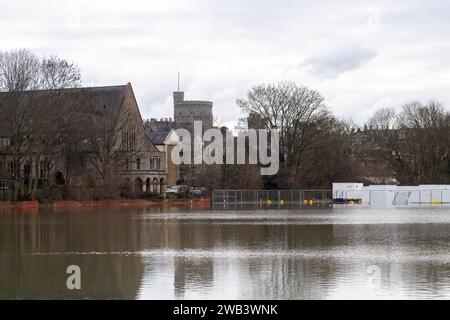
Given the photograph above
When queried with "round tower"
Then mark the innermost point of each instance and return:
(186, 112)
(178, 96)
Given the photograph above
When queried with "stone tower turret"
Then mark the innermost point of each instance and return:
(186, 112)
(178, 96)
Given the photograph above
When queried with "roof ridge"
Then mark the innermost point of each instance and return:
(61, 89)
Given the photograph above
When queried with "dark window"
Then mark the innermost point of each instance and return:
(27, 169)
(44, 169)
(11, 167)
(155, 163)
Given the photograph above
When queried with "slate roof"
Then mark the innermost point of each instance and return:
(157, 137)
(100, 98)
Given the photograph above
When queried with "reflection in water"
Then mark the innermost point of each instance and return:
(260, 254)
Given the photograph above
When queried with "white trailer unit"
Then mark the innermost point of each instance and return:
(345, 192)
(380, 195)
(387, 195)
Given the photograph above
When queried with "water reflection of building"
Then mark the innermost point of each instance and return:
(187, 239)
(35, 251)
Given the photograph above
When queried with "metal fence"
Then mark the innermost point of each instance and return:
(272, 198)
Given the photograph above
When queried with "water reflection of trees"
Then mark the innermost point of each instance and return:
(296, 276)
(268, 276)
(412, 257)
(36, 249)
(202, 255)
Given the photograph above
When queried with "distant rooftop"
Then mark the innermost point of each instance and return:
(157, 137)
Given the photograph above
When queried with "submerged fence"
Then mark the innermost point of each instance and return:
(271, 198)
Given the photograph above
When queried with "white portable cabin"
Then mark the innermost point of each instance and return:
(343, 192)
(427, 193)
(385, 195)
(380, 195)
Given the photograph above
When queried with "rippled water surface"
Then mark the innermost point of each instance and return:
(332, 253)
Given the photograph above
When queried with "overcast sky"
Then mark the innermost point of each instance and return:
(360, 55)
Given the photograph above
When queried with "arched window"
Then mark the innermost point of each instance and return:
(128, 140)
(59, 179)
(138, 163)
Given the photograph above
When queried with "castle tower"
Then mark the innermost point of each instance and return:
(186, 112)
(178, 96)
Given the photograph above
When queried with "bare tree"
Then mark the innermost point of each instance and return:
(424, 142)
(414, 144)
(19, 70)
(57, 73)
(383, 119)
(111, 139)
(29, 119)
(306, 127)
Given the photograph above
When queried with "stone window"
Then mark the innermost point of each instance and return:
(11, 167)
(138, 163)
(43, 169)
(6, 185)
(27, 169)
(155, 163)
(128, 141)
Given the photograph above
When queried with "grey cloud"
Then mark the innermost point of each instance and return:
(236, 44)
(338, 61)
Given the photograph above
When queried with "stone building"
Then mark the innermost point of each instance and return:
(254, 121)
(165, 142)
(185, 113)
(161, 125)
(100, 135)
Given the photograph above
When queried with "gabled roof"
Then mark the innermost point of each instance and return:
(98, 98)
(157, 137)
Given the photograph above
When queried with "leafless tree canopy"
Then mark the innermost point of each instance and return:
(57, 73)
(309, 134)
(35, 126)
(22, 70)
(19, 71)
(414, 144)
(407, 147)
(383, 119)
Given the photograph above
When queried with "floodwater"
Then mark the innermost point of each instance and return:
(328, 253)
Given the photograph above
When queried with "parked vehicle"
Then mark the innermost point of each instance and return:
(198, 191)
(176, 190)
